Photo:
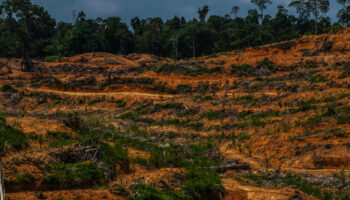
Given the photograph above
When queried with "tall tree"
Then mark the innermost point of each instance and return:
(344, 13)
(262, 5)
(203, 13)
(234, 11)
(23, 11)
(317, 7)
(81, 16)
(118, 38)
(302, 7)
(34, 28)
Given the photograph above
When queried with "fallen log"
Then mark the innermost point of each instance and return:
(223, 169)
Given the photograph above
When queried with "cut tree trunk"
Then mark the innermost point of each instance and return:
(2, 189)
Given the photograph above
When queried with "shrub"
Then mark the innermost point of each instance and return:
(242, 70)
(312, 121)
(8, 88)
(173, 156)
(78, 175)
(127, 115)
(63, 135)
(318, 79)
(73, 121)
(213, 115)
(305, 105)
(183, 89)
(10, 136)
(147, 192)
(343, 119)
(25, 178)
(328, 46)
(136, 130)
(305, 187)
(200, 183)
(268, 64)
(112, 156)
(146, 81)
(243, 137)
(60, 142)
(120, 103)
(95, 101)
(334, 27)
(52, 58)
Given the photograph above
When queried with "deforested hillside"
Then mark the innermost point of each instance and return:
(270, 122)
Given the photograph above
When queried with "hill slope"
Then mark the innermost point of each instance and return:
(281, 110)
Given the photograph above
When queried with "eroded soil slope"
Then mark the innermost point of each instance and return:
(272, 122)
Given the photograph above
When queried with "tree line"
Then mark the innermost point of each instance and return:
(28, 31)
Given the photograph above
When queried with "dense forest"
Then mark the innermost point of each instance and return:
(28, 31)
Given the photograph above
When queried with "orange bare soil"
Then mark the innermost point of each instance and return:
(282, 109)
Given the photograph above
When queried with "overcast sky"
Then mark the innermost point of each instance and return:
(127, 9)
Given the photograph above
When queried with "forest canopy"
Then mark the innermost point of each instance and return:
(28, 30)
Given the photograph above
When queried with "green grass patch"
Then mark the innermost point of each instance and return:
(78, 175)
(213, 115)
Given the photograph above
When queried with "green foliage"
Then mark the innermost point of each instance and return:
(248, 70)
(305, 105)
(268, 64)
(249, 99)
(177, 38)
(305, 187)
(95, 101)
(11, 137)
(120, 103)
(25, 178)
(200, 183)
(180, 69)
(318, 79)
(312, 121)
(344, 118)
(243, 137)
(135, 118)
(8, 88)
(52, 58)
(62, 135)
(114, 155)
(298, 182)
(213, 115)
(341, 176)
(334, 27)
(242, 70)
(60, 139)
(174, 156)
(60, 142)
(78, 175)
(183, 89)
(147, 192)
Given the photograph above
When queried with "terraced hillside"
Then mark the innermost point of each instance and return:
(270, 122)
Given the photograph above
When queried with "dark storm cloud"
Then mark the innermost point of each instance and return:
(126, 9)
